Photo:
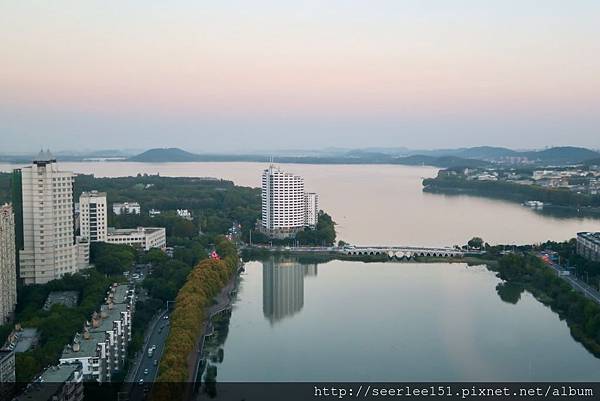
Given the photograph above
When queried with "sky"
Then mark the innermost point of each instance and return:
(234, 76)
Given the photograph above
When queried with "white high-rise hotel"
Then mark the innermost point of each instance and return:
(285, 204)
(8, 268)
(93, 216)
(49, 249)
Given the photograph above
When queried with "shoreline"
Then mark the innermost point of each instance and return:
(223, 302)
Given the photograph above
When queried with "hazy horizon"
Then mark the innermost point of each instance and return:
(233, 77)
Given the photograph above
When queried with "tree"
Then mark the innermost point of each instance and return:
(475, 242)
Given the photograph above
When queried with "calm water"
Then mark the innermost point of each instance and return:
(384, 204)
(350, 321)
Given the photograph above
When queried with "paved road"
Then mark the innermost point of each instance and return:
(157, 337)
(577, 284)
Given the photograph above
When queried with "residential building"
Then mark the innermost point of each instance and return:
(56, 383)
(43, 195)
(101, 348)
(185, 214)
(588, 245)
(311, 209)
(22, 339)
(83, 252)
(282, 203)
(145, 238)
(93, 216)
(8, 264)
(126, 208)
(7, 374)
(7, 366)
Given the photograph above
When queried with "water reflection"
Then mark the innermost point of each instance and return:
(283, 287)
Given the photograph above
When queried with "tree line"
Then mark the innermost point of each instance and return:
(203, 283)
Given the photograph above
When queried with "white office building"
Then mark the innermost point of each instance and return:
(126, 208)
(8, 264)
(311, 209)
(93, 216)
(48, 242)
(145, 238)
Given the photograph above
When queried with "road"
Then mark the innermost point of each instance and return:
(156, 337)
(577, 284)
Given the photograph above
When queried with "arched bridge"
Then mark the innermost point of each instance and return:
(402, 252)
(392, 252)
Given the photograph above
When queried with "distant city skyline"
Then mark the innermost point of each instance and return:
(229, 77)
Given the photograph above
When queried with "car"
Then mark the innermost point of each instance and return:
(155, 362)
(141, 381)
(166, 317)
(146, 371)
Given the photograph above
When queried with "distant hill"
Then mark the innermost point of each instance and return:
(592, 162)
(562, 155)
(441, 161)
(486, 153)
(461, 157)
(164, 155)
(557, 155)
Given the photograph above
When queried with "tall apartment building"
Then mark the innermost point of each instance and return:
(286, 208)
(282, 203)
(8, 264)
(45, 229)
(311, 209)
(93, 216)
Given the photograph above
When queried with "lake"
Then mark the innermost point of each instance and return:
(355, 321)
(344, 321)
(380, 204)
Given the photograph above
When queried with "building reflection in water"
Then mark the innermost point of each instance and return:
(283, 287)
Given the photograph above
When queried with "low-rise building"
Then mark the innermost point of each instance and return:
(185, 214)
(588, 245)
(57, 383)
(145, 238)
(126, 208)
(154, 212)
(22, 339)
(101, 348)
